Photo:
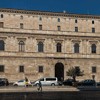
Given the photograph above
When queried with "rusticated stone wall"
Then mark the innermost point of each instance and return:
(11, 34)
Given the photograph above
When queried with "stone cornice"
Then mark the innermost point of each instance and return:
(57, 14)
(53, 36)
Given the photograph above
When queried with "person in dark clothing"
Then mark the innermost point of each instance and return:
(40, 86)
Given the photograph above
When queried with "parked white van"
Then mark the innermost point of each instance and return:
(47, 81)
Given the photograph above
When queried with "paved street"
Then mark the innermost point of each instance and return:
(34, 89)
(48, 93)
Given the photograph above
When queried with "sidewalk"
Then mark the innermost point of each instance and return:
(34, 89)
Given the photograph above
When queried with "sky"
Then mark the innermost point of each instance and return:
(70, 6)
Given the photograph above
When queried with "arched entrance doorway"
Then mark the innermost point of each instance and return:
(59, 71)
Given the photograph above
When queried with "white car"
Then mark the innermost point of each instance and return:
(51, 81)
(21, 83)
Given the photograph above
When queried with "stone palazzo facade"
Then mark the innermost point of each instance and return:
(37, 44)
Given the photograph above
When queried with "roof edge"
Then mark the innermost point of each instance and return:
(50, 13)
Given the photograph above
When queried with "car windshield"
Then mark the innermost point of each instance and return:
(42, 79)
(21, 81)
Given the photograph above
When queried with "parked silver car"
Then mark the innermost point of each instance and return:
(51, 81)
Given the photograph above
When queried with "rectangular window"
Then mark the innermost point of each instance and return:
(93, 69)
(59, 28)
(93, 30)
(40, 27)
(1, 24)
(21, 25)
(40, 69)
(21, 68)
(1, 68)
(76, 29)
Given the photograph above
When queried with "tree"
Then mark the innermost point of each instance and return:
(74, 71)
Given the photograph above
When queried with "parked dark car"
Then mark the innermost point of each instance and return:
(98, 83)
(88, 82)
(68, 82)
(4, 82)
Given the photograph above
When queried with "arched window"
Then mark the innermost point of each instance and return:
(58, 47)
(40, 18)
(75, 20)
(76, 48)
(92, 21)
(2, 45)
(21, 17)
(58, 19)
(40, 47)
(93, 48)
(21, 46)
(1, 15)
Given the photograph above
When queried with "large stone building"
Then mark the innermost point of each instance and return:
(39, 44)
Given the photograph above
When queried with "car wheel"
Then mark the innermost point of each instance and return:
(52, 84)
(37, 84)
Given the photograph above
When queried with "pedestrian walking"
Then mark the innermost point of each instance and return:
(26, 82)
(40, 86)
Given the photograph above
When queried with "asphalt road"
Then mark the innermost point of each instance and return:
(48, 93)
(66, 95)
